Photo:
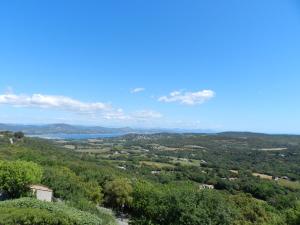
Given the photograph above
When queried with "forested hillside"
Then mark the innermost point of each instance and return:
(162, 179)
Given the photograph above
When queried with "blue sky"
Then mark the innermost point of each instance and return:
(221, 65)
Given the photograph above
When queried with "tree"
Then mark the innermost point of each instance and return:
(253, 211)
(16, 176)
(68, 186)
(19, 135)
(179, 204)
(118, 193)
(293, 215)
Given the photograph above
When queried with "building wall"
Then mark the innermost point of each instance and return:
(44, 195)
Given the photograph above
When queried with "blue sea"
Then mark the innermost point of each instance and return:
(77, 136)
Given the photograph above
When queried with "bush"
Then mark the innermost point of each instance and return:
(19, 135)
(293, 215)
(34, 212)
(16, 176)
(179, 205)
(68, 186)
(13, 216)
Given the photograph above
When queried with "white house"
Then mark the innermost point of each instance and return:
(42, 193)
(155, 172)
(121, 167)
(206, 186)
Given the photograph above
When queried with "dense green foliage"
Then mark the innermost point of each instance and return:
(16, 176)
(183, 204)
(69, 186)
(34, 212)
(179, 205)
(118, 193)
(293, 215)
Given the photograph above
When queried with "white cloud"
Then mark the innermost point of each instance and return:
(61, 103)
(188, 98)
(51, 101)
(137, 90)
(91, 110)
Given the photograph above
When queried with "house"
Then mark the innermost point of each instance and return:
(155, 172)
(121, 167)
(206, 186)
(42, 193)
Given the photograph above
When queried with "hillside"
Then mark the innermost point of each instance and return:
(145, 175)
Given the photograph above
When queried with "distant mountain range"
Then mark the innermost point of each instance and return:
(76, 129)
(62, 128)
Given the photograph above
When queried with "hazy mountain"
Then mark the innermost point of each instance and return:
(62, 128)
(77, 129)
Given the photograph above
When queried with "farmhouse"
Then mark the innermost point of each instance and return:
(42, 193)
(206, 186)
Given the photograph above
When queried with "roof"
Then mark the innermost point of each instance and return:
(40, 187)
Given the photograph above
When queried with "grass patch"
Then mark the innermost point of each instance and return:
(157, 165)
(294, 185)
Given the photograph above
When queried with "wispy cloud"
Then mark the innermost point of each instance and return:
(51, 101)
(137, 90)
(188, 98)
(95, 110)
(61, 103)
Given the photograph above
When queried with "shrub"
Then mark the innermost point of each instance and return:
(16, 176)
(34, 212)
